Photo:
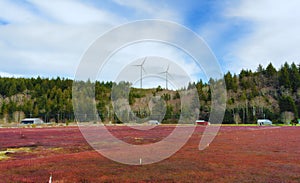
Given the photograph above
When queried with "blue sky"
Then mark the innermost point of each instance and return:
(48, 38)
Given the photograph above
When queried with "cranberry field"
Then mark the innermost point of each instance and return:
(237, 154)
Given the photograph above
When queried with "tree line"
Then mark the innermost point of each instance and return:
(264, 93)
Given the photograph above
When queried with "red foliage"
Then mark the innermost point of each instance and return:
(238, 154)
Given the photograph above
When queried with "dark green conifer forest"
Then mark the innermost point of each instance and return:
(263, 93)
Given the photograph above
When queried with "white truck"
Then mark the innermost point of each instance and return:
(28, 121)
(263, 122)
(153, 122)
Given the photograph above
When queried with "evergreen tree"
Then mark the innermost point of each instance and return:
(270, 71)
(286, 103)
(284, 76)
(294, 77)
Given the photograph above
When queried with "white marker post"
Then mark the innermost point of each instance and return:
(50, 178)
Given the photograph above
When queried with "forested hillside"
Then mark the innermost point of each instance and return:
(264, 93)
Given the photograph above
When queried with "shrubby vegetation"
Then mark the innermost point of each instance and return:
(264, 93)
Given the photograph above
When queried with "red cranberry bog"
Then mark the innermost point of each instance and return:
(237, 154)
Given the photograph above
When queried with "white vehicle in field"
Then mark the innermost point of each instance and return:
(263, 122)
(29, 121)
(153, 122)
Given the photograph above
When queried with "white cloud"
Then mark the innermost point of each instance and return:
(34, 46)
(45, 49)
(169, 41)
(154, 73)
(72, 12)
(275, 27)
(5, 74)
(159, 57)
(49, 39)
(147, 9)
(212, 31)
(15, 13)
